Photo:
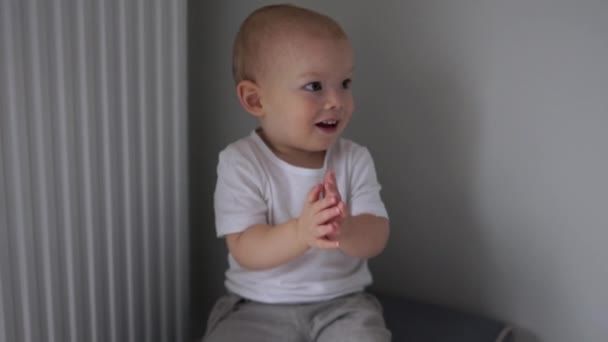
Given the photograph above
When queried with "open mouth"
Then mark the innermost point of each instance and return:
(328, 125)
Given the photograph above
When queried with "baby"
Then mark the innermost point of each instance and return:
(298, 205)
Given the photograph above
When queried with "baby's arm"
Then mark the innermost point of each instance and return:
(264, 246)
(362, 236)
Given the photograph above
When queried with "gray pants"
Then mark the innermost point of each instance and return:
(353, 318)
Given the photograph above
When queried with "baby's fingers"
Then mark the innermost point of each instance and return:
(323, 204)
(328, 176)
(332, 190)
(323, 230)
(343, 209)
(331, 180)
(314, 193)
(335, 233)
(327, 215)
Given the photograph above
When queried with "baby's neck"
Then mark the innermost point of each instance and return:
(309, 160)
(295, 157)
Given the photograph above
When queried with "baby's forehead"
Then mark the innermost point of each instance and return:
(286, 40)
(302, 44)
(307, 57)
(296, 39)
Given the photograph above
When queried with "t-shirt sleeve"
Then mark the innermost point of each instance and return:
(238, 199)
(365, 189)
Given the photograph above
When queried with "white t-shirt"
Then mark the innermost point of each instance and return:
(254, 186)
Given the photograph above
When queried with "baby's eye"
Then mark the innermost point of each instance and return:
(346, 83)
(313, 86)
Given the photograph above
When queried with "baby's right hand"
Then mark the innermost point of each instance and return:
(313, 225)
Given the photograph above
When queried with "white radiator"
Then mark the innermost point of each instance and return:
(93, 174)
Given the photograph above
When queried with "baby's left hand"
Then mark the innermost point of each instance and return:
(331, 189)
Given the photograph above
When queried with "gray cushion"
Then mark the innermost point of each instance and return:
(411, 320)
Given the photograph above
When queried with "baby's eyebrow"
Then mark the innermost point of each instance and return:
(314, 74)
(310, 74)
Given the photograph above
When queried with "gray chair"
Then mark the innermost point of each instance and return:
(415, 321)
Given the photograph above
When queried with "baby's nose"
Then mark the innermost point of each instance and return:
(334, 100)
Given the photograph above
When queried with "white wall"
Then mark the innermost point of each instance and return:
(487, 120)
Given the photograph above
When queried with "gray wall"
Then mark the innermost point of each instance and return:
(93, 171)
(487, 120)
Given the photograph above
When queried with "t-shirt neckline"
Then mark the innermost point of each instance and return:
(285, 165)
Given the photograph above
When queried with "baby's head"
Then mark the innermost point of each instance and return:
(293, 68)
(271, 27)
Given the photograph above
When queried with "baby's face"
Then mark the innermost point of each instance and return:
(306, 94)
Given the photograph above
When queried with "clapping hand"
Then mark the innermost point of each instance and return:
(315, 222)
(330, 190)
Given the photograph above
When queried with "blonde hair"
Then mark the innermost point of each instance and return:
(269, 24)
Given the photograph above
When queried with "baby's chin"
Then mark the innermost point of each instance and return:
(322, 147)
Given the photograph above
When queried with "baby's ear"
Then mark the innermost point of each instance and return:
(249, 95)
